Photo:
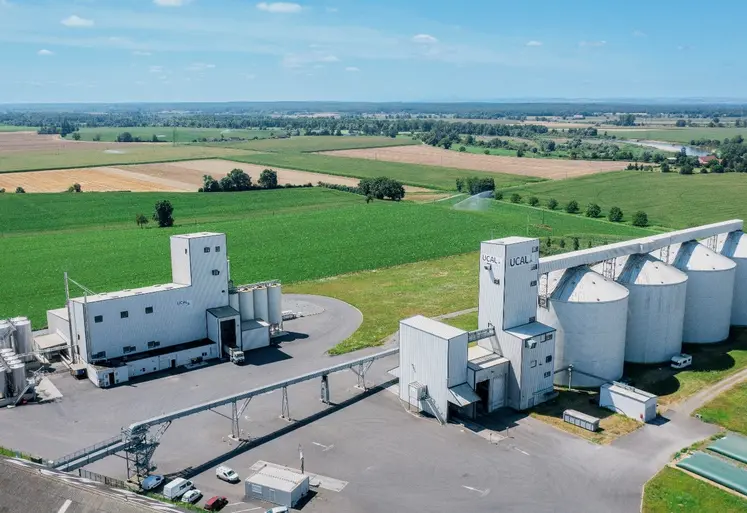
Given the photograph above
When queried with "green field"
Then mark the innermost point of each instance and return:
(88, 155)
(677, 135)
(672, 490)
(304, 144)
(166, 133)
(728, 410)
(11, 128)
(265, 240)
(670, 200)
(435, 177)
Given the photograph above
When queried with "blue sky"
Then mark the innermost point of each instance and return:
(383, 50)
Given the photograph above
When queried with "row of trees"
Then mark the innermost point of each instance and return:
(163, 214)
(19, 190)
(475, 184)
(372, 188)
(237, 181)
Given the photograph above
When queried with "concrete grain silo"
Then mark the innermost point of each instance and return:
(710, 292)
(734, 246)
(589, 313)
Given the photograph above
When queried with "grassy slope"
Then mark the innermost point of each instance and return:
(88, 155)
(290, 243)
(677, 135)
(320, 143)
(672, 490)
(109, 134)
(669, 199)
(411, 174)
(728, 409)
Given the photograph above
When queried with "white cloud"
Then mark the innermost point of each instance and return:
(77, 21)
(330, 58)
(592, 43)
(170, 3)
(425, 39)
(534, 43)
(156, 69)
(44, 52)
(639, 33)
(352, 69)
(140, 53)
(279, 7)
(199, 66)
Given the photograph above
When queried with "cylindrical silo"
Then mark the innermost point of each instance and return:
(23, 336)
(233, 301)
(5, 334)
(274, 304)
(734, 247)
(589, 313)
(710, 291)
(3, 382)
(260, 304)
(19, 377)
(656, 308)
(246, 304)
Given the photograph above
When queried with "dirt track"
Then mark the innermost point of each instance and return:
(555, 169)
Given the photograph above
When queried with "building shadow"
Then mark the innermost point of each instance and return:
(290, 336)
(265, 356)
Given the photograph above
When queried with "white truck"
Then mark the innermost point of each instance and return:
(234, 354)
(176, 488)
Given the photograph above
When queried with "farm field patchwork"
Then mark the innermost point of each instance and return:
(539, 168)
(676, 135)
(291, 243)
(670, 200)
(673, 490)
(302, 144)
(166, 133)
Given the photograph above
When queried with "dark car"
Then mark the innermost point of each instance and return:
(216, 503)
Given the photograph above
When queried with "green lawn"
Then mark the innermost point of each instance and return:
(291, 243)
(677, 135)
(669, 199)
(672, 490)
(466, 322)
(728, 410)
(89, 154)
(412, 174)
(12, 128)
(166, 133)
(302, 144)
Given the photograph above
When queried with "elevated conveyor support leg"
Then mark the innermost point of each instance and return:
(360, 371)
(325, 389)
(236, 413)
(285, 412)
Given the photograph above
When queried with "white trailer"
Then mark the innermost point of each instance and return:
(626, 400)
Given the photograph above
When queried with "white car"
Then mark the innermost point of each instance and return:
(227, 474)
(192, 496)
(278, 509)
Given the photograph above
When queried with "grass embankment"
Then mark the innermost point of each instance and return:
(91, 155)
(170, 134)
(672, 490)
(435, 177)
(728, 410)
(305, 144)
(669, 199)
(677, 135)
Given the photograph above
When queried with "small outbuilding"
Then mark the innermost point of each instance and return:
(626, 400)
(283, 486)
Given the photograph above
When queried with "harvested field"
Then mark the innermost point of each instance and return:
(185, 176)
(554, 169)
(12, 142)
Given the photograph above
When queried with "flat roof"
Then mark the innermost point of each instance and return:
(581, 416)
(223, 312)
(196, 235)
(633, 393)
(254, 324)
(104, 296)
(49, 341)
(59, 312)
(531, 330)
(279, 478)
(433, 327)
(509, 240)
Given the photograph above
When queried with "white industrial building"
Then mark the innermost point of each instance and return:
(116, 336)
(576, 318)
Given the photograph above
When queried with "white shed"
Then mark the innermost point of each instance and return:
(280, 485)
(625, 400)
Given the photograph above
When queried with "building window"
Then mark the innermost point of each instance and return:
(98, 356)
(533, 283)
(124, 315)
(204, 354)
(548, 374)
(185, 251)
(148, 309)
(217, 249)
(549, 336)
(216, 272)
(535, 249)
(98, 318)
(533, 363)
(207, 249)
(129, 349)
(548, 359)
(535, 267)
(153, 344)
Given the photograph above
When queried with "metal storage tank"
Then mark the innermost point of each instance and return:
(23, 335)
(656, 308)
(233, 301)
(590, 314)
(5, 334)
(19, 377)
(274, 304)
(734, 247)
(710, 291)
(260, 304)
(246, 304)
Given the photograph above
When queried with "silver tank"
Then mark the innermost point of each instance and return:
(261, 310)
(19, 377)
(274, 304)
(710, 291)
(656, 308)
(24, 338)
(246, 304)
(734, 246)
(6, 329)
(589, 313)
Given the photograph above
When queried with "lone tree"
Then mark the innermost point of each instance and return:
(640, 219)
(268, 179)
(576, 243)
(76, 136)
(516, 198)
(572, 207)
(75, 188)
(141, 220)
(382, 187)
(593, 210)
(20, 190)
(533, 201)
(552, 203)
(615, 215)
(163, 214)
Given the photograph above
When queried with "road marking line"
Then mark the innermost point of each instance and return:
(522, 452)
(64, 506)
(234, 504)
(325, 448)
(482, 493)
(243, 510)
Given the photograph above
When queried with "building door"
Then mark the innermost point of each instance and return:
(110, 379)
(173, 363)
(271, 493)
(497, 392)
(228, 333)
(483, 390)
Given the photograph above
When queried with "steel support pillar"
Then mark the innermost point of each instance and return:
(360, 371)
(236, 413)
(285, 413)
(325, 389)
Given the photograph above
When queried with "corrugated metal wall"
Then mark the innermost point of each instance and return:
(521, 277)
(423, 358)
(457, 361)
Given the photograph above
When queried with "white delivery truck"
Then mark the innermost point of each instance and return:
(176, 488)
(234, 354)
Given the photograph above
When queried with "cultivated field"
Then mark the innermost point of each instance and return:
(677, 135)
(554, 169)
(166, 133)
(183, 176)
(304, 144)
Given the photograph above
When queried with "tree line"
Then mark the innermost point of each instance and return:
(372, 188)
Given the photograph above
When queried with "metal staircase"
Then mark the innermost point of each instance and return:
(436, 413)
